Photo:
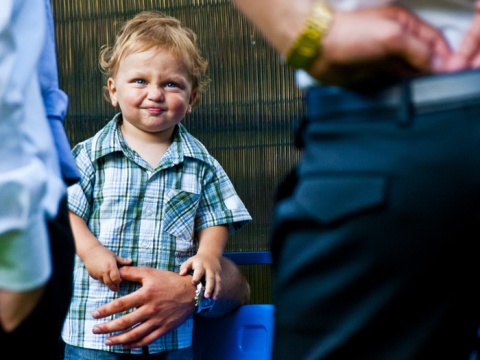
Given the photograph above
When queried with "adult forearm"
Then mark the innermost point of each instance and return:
(385, 42)
(280, 21)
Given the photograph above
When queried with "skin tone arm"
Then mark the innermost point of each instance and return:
(164, 301)
(16, 306)
(387, 41)
(101, 263)
(212, 242)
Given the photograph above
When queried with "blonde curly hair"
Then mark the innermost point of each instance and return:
(154, 29)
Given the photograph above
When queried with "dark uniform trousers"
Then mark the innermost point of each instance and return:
(376, 232)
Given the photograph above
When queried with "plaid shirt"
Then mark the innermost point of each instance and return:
(144, 214)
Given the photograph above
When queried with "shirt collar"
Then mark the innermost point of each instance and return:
(110, 140)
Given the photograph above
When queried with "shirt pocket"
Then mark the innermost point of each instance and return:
(329, 198)
(178, 218)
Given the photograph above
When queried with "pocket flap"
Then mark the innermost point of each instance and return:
(329, 198)
(179, 214)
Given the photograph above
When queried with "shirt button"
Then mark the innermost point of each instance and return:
(149, 211)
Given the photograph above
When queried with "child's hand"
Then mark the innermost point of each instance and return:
(208, 266)
(102, 265)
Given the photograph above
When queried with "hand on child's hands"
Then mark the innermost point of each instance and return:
(467, 56)
(208, 266)
(102, 265)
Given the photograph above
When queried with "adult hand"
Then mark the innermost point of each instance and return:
(16, 306)
(467, 55)
(164, 301)
(378, 45)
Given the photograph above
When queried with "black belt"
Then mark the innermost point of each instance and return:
(428, 93)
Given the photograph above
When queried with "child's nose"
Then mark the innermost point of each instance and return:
(155, 93)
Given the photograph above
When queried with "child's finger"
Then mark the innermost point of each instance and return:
(109, 282)
(197, 275)
(218, 286)
(115, 277)
(121, 261)
(185, 268)
(209, 283)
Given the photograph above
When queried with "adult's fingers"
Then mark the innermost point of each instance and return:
(119, 324)
(391, 36)
(116, 306)
(134, 273)
(475, 62)
(141, 335)
(469, 47)
(419, 44)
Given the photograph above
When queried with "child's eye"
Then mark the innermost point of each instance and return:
(140, 81)
(171, 85)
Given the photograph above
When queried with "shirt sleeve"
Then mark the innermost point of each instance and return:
(55, 100)
(220, 203)
(80, 193)
(24, 168)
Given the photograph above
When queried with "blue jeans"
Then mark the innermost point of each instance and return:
(78, 353)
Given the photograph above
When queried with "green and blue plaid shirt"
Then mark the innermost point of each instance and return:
(144, 214)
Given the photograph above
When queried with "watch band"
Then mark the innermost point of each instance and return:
(202, 304)
(307, 45)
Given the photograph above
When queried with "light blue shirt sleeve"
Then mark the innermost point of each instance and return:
(56, 101)
(31, 186)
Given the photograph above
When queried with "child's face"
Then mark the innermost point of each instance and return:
(153, 90)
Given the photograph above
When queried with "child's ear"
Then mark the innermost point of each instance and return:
(193, 97)
(112, 90)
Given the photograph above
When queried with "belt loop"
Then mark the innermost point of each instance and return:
(405, 108)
